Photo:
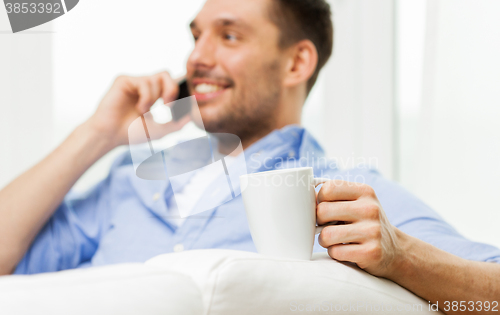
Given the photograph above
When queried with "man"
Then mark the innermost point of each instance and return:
(252, 67)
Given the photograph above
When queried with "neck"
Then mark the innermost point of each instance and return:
(228, 144)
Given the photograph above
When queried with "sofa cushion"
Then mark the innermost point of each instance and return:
(119, 289)
(236, 282)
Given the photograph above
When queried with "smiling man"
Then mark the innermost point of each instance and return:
(244, 70)
(252, 67)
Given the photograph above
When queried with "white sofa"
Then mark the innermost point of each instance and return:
(209, 282)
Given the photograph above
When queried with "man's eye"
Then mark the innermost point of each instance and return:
(230, 37)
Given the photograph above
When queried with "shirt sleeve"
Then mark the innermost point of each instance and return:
(71, 236)
(414, 217)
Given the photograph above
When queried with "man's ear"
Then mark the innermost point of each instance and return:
(303, 58)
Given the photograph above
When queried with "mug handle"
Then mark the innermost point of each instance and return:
(316, 182)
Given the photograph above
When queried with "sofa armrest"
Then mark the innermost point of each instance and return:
(236, 282)
(117, 289)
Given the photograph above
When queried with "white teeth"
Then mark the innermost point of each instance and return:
(204, 88)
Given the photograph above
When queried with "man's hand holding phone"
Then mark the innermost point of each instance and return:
(129, 98)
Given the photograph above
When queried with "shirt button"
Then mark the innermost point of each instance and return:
(291, 154)
(178, 248)
(156, 197)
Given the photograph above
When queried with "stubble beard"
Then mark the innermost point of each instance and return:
(253, 110)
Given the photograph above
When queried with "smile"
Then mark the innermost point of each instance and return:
(204, 91)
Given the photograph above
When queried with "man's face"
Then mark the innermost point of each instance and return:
(234, 70)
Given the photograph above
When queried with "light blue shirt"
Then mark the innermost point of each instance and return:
(122, 219)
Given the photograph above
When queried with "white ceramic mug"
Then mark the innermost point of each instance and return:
(281, 211)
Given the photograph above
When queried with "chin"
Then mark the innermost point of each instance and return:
(213, 114)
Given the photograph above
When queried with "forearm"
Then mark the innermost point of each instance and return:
(29, 201)
(440, 277)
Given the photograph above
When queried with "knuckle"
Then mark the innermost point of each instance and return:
(165, 76)
(145, 94)
(147, 81)
(337, 253)
(328, 187)
(375, 252)
(322, 238)
(145, 86)
(154, 79)
(371, 211)
(120, 79)
(368, 190)
(333, 252)
(375, 232)
(325, 236)
(321, 210)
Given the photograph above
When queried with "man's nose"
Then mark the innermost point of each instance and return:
(203, 54)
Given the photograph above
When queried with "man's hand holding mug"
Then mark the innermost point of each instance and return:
(368, 238)
(283, 209)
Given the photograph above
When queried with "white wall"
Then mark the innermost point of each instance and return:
(25, 97)
(359, 86)
(459, 153)
(410, 42)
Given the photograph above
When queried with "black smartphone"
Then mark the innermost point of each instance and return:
(181, 109)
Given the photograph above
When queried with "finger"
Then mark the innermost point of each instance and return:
(337, 211)
(339, 190)
(156, 88)
(346, 252)
(170, 88)
(340, 234)
(145, 96)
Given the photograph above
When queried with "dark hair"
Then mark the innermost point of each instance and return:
(305, 19)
